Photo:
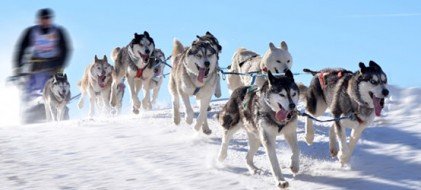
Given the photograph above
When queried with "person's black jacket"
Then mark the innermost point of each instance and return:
(25, 42)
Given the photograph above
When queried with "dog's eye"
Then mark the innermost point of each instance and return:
(294, 94)
(373, 81)
(278, 61)
(282, 95)
(288, 61)
(198, 55)
(99, 67)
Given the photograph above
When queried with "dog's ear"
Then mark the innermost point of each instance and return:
(271, 78)
(136, 35)
(198, 37)
(65, 77)
(146, 34)
(363, 68)
(289, 74)
(96, 58)
(105, 59)
(208, 33)
(374, 65)
(271, 46)
(284, 46)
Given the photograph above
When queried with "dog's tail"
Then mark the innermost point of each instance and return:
(115, 53)
(311, 71)
(303, 91)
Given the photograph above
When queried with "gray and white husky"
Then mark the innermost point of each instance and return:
(156, 82)
(136, 63)
(264, 113)
(276, 60)
(194, 73)
(359, 95)
(96, 83)
(56, 95)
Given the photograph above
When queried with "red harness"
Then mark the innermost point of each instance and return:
(139, 73)
(322, 76)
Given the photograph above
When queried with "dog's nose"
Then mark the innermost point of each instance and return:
(385, 92)
(207, 63)
(291, 106)
(147, 51)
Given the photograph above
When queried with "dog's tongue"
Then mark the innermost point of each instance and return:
(202, 73)
(281, 115)
(377, 106)
(101, 81)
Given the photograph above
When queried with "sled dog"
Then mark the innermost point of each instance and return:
(276, 60)
(136, 62)
(358, 95)
(194, 73)
(96, 83)
(56, 95)
(264, 113)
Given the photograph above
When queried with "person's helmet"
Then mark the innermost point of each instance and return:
(45, 13)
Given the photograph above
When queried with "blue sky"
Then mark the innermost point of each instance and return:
(319, 34)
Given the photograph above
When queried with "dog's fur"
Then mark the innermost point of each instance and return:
(193, 68)
(276, 60)
(209, 37)
(264, 114)
(56, 96)
(136, 57)
(156, 82)
(360, 94)
(96, 82)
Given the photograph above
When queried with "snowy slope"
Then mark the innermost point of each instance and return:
(149, 152)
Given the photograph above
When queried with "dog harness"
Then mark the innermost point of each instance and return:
(322, 76)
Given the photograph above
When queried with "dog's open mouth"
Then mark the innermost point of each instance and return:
(145, 57)
(101, 80)
(283, 114)
(62, 95)
(378, 104)
(203, 73)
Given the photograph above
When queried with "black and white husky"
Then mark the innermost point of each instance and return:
(135, 62)
(359, 95)
(56, 95)
(264, 113)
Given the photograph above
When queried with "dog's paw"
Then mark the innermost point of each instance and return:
(343, 156)
(295, 167)
(206, 131)
(135, 110)
(222, 157)
(333, 152)
(253, 170)
(309, 138)
(283, 184)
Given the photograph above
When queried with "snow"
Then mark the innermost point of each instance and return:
(148, 151)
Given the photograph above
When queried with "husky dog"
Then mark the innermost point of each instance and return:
(359, 95)
(264, 114)
(194, 73)
(96, 82)
(156, 82)
(215, 44)
(56, 95)
(276, 60)
(135, 62)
